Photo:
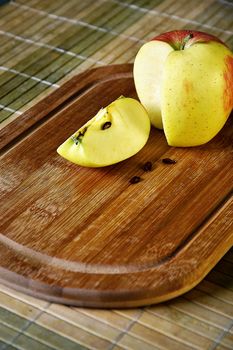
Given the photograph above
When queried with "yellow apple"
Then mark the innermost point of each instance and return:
(184, 79)
(117, 132)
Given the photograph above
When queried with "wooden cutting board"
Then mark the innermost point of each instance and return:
(89, 237)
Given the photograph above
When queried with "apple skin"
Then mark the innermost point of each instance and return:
(185, 81)
(115, 133)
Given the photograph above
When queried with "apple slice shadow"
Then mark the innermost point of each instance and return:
(155, 147)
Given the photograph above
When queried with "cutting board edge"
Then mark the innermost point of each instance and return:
(106, 299)
(97, 301)
(41, 111)
(100, 304)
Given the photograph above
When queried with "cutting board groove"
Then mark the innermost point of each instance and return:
(88, 237)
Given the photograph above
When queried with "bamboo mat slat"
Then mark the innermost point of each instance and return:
(44, 44)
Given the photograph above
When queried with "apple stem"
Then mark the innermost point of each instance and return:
(186, 39)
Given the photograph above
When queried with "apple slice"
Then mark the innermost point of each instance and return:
(117, 132)
(184, 79)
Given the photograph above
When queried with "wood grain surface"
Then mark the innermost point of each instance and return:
(87, 236)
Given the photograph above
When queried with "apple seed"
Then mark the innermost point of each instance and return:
(147, 166)
(106, 125)
(168, 161)
(135, 180)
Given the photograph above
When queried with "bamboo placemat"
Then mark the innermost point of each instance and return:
(43, 44)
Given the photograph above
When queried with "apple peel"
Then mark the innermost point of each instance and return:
(228, 91)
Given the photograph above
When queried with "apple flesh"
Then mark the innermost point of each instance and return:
(185, 81)
(117, 132)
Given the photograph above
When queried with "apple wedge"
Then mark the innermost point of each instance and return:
(117, 132)
(184, 79)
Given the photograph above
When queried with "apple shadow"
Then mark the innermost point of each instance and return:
(222, 141)
(155, 147)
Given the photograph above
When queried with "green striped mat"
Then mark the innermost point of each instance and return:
(44, 43)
